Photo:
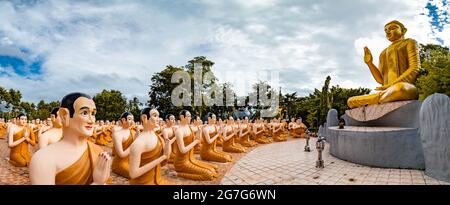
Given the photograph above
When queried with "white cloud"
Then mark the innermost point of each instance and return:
(118, 45)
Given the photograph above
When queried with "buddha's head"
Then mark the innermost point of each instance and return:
(77, 112)
(22, 119)
(2, 120)
(126, 119)
(150, 118)
(246, 119)
(394, 30)
(185, 117)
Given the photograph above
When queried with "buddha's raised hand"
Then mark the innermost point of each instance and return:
(367, 55)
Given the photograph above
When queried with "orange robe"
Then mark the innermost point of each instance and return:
(210, 153)
(153, 176)
(80, 172)
(3, 130)
(230, 146)
(245, 140)
(102, 137)
(20, 155)
(188, 167)
(120, 166)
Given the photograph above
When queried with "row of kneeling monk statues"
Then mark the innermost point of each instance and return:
(68, 150)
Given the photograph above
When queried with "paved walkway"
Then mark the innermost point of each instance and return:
(287, 163)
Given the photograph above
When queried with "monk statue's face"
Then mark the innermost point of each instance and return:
(82, 122)
(23, 120)
(56, 121)
(212, 119)
(186, 118)
(153, 119)
(393, 32)
(172, 120)
(128, 121)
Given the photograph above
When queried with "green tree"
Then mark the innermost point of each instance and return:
(435, 73)
(133, 106)
(110, 104)
(161, 90)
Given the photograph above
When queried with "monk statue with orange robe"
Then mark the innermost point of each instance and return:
(102, 132)
(210, 135)
(123, 137)
(245, 130)
(397, 71)
(3, 128)
(54, 133)
(229, 133)
(74, 159)
(20, 136)
(185, 164)
(258, 132)
(196, 127)
(148, 151)
(168, 132)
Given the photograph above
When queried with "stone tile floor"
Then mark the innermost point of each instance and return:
(286, 163)
(281, 163)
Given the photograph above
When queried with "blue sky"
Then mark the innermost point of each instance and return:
(50, 48)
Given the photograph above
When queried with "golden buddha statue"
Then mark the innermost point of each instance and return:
(148, 151)
(74, 159)
(397, 72)
(208, 149)
(185, 164)
(19, 137)
(123, 137)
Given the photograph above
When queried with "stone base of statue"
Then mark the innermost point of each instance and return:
(384, 135)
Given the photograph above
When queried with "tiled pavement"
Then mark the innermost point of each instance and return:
(286, 163)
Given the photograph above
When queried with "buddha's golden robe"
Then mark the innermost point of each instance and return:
(20, 155)
(399, 67)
